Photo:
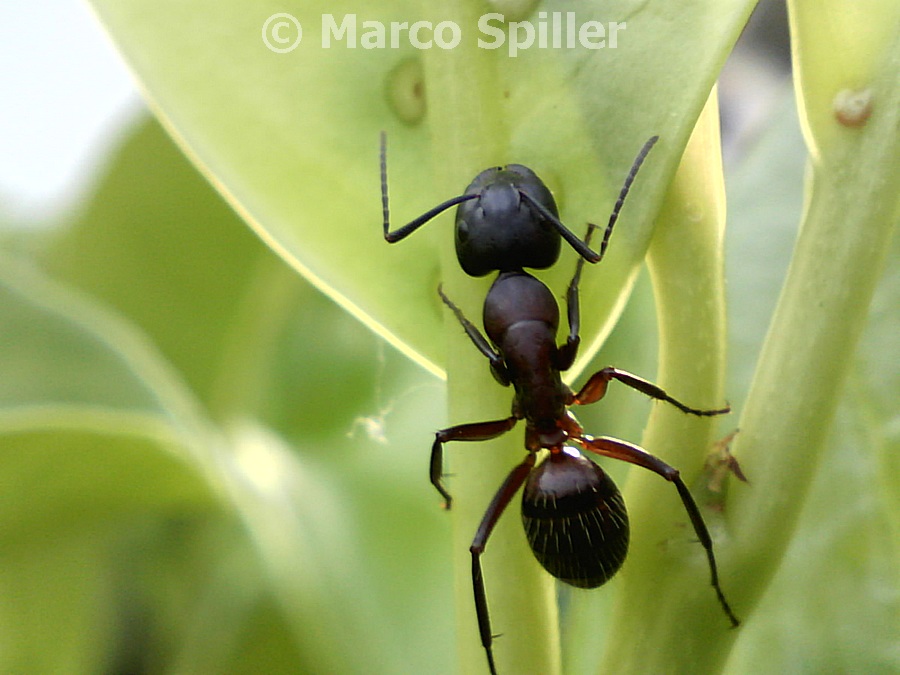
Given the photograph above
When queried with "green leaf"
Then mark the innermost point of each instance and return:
(57, 616)
(291, 139)
(161, 248)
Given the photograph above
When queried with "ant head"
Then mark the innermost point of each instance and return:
(500, 229)
(507, 220)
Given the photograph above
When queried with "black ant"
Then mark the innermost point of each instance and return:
(573, 513)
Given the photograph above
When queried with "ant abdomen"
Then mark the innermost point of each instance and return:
(575, 519)
(500, 230)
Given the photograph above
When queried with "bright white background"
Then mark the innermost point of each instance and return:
(64, 95)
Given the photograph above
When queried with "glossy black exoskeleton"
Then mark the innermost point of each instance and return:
(498, 230)
(573, 513)
(506, 220)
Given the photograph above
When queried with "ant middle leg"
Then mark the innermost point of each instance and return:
(628, 452)
(475, 431)
(595, 388)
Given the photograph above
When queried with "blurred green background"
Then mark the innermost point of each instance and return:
(208, 467)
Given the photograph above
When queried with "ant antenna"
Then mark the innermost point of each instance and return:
(572, 292)
(414, 225)
(629, 179)
(583, 247)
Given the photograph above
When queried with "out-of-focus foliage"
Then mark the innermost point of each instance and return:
(207, 466)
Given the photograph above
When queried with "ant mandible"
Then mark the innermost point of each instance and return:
(573, 513)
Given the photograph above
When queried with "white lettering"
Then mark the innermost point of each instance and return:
(551, 30)
(494, 31)
(514, 43)
(396, 27)
(591, 35)
(614, 28)
(373, 37)
(455, 32)
(414, 35)
(542, 30)
(557, 30)
(331, 29)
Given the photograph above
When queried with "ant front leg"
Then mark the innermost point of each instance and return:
(498, 504)
(595, 388)
(627, 452)
(498, 367)
(566, 354)
(476, 431)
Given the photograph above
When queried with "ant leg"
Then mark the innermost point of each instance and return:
(475, 431)
(498, 367)
(567, 352)
(627, 452)
(414, 225)
(595, 388)
(498, 504)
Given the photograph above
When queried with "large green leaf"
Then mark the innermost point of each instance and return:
(155, 244)
(291, 138)
(160, 247)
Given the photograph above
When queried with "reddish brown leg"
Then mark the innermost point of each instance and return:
(498, 504)
(595, 389)
(476, 431)
(627, 452)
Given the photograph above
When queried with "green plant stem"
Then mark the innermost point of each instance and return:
(521, 598)
(666, 618)
(852, 211)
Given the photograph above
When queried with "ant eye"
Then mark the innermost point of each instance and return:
(462, 231)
